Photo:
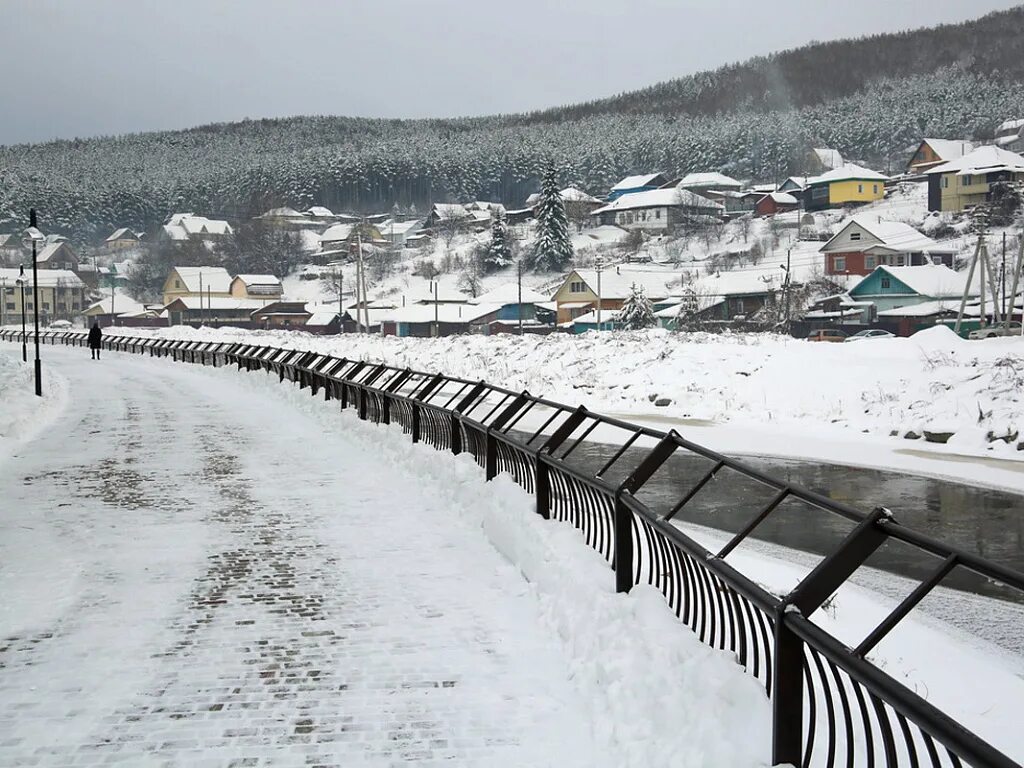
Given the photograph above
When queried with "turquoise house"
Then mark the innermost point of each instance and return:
(895, 287)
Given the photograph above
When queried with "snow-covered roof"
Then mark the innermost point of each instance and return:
(258, 279)
(445, 313)
(641, 180)
(123, 304)
(660, 198)
(924, 309)
(829, 158)
(49, 251)
(782, 198)
(932, 280)
(509, 294)
(950, 149)
(987, 159)
(450, 211)
(321, 317)
(849, 172)
(891, 235)
(337, 233)
(617, 282)
(574, 195)
(1010, 126)
(319, 211)
(122, 234)
(737, 282)
(709, 179)
(213, 279)
(398, 227)
(182, 226)
(48, 278)
(218, 302)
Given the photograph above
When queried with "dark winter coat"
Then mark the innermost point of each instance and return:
(95, 335)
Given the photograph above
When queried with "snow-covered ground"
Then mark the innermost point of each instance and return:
(200, 567)
(750, 393)
(22, 414)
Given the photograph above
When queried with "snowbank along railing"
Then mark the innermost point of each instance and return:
(831, 706)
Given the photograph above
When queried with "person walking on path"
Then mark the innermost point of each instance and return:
(95, 337)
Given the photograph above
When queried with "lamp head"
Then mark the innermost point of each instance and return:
(33, 236)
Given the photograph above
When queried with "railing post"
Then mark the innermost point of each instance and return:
(456, 435)
(385, 408)
(787, 692)
(415, 422)
(490, 455)
(344, 396)
(543, 483)
(623, 546)
(362, 403)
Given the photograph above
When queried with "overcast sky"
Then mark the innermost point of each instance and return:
(87, 67)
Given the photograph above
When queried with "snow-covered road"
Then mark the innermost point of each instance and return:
(192, 576)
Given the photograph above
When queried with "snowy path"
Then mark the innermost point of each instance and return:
(194, 576)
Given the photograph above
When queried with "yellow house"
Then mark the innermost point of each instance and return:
(264, 287)
(185, 282)
(967, 181)
(578, 294)
(843, 186)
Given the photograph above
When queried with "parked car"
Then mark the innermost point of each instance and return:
(60, 324)
(827, 334)
(994, 332)
(874, 333)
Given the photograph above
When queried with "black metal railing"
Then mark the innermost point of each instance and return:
(830, 704)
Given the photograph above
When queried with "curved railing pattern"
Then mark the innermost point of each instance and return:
(831, 705)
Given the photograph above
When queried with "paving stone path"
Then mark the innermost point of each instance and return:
(193, 575)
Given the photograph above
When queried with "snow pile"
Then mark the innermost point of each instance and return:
(933, 382)
(637, 666)
(22, 414)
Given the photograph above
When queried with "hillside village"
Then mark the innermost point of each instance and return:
(843, 246)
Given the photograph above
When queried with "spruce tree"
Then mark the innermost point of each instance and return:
(499, 251)
(552, 251)
(637, 312)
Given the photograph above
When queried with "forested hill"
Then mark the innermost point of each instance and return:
(869, 98)
(819, 72)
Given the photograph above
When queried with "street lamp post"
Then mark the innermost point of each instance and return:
(33, 235)
(24, 336)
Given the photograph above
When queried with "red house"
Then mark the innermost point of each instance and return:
(776, 202)
(867, 242)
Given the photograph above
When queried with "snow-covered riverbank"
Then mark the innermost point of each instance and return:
(751, 394)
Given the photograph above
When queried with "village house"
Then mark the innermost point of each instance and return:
(822, 160)
(211, 311)
(120, 309)
(122, 239)
(397, 233)
(62, 295)
(644, 182)
(286, 218)
(850, 184)
(181, 227)
(700, 183)
(735, 203)
(867, 242)
(11, 249)
(1010, 136)
(933, 152)
(189, 282)
(578, 294)
(57, 254)
(262, 287)
(578, 204)
(967, 181)
(297, 316)
(896, 287)
(659, 210)
(428, 320)
(341, 238)
(516, 302)
(776, 202)
(722, 297)
(448, 215)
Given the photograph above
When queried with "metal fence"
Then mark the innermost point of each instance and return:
(830, 704)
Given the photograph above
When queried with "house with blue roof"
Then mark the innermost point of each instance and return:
(642, 183)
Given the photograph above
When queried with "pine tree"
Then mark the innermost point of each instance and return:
(637, 312)
(499, 251)
(552, 251)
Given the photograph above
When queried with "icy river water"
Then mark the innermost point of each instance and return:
(987, 522)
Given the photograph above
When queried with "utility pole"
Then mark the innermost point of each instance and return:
(789, 253)
(967, 285)
(437, 325)
(519, 282)
(35, 235)
(24, 336)
(599, 266)
(1002, 283)
(202, 314)
(3, 301)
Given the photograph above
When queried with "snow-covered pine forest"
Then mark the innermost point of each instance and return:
(711, 120)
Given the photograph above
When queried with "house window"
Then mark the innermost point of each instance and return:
(886, 282)
(10, 305)
(945, 182)
(869, 262)
(875, 189)
(46, 305)
(839, 264)
(577, 286)
(30, 305)
(901, 260)
(860, 188)
(855, 235)
(177, 284)
(657, 214)
(9, 291)
(966, 180)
